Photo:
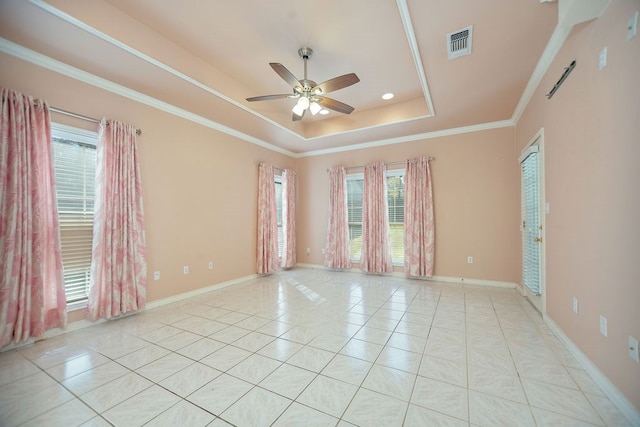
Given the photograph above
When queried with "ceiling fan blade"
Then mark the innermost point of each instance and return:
(270, 97)
(286, 75)
(336, 83)
(296, 117)
(338, 106)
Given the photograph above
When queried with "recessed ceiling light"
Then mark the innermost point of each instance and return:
(324, 112)
(387, 96)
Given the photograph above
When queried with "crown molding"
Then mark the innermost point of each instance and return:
(140, 55)
(411, 138)
(44, 61)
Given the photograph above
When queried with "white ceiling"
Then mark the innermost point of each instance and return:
(206, 57)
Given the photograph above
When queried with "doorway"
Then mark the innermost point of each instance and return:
(532, 223)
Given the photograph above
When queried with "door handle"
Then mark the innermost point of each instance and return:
(538, 239)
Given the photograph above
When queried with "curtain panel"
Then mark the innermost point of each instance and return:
(376, 243)
(418, 219)
(336, 250)
(288, 258)
(32, 298)
(267, 251)
(118, 280)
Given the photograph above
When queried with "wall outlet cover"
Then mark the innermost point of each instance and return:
(186, 269)
(156, 275)
(575, 305)
(602, 61)
(603, 325)
(632, 26)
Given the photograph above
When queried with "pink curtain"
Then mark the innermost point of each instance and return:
(288, 219)
(118, 281)
(267, 256)
(336, 250)
(418, 219)
(376, 243)
(32, 298)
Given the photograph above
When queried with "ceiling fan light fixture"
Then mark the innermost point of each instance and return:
(324, 111)
(303, 102)
(315, 108)
(387, 96)
(298, 110)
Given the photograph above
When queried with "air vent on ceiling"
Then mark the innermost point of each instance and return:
(459, 42)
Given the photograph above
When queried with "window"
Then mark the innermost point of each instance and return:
(395, 201)
(278, 182)
(74, 161)
(355, 184)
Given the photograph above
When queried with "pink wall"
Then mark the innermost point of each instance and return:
(199, 185)
(476, 199)
(592, 147)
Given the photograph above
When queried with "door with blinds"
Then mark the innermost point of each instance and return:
(532, 223)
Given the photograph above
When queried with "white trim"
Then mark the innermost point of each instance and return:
(81, 324)
(200, 291)
(411, 138)
(140, 55)
(44, 61)
(415, 52)
(447, 279)
(617, 398)
(117, 43)
(527, 152)
(74, 133)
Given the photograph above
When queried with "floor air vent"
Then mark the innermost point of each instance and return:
(459, 42)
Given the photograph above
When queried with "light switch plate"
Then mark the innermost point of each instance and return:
(633, 349)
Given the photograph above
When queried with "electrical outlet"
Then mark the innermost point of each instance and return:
(633, 348)
(308, 251)
(603, 325)
(469, 260)
(186, 269)
(210, 265)
(156, 275)
(602, 62)
(322, 250)
(632, 26)
(575, 305)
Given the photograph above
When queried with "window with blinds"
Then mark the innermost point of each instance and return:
(74, 159)
(278, 183)
(530, 223)
(395, 202)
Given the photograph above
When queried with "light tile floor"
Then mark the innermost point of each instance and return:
(310, 348)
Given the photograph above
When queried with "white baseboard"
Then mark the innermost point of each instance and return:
(617, 398)
(196, 292)
(81, 324)
(447, 279)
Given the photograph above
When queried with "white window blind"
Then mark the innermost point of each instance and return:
(530, 223)
(74, 158)
(278, 183)
(355, 183)
(395, 201)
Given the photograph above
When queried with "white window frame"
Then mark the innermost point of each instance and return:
(84, 136)
(360, 176)
(278, 181)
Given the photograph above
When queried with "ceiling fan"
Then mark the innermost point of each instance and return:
(310, 95)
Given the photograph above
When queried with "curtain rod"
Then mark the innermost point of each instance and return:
(387, 164)
(275, 167)
(81, 117)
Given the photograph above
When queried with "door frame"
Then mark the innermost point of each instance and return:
(538, 301)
